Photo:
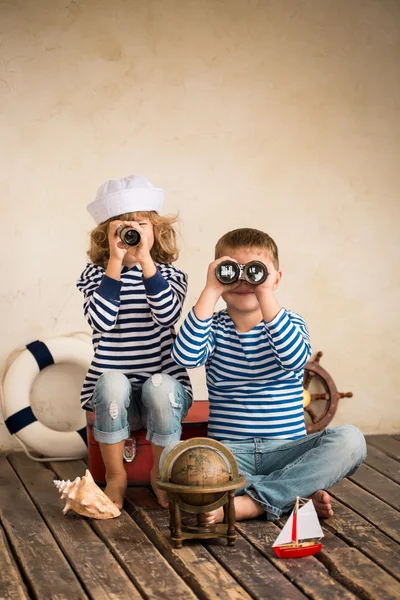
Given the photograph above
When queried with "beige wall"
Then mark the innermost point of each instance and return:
(280, 114)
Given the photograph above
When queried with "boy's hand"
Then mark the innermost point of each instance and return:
(269, 305)
(271, 283)
(213, 285)
(205, 305)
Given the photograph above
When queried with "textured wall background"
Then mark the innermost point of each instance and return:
(280, 115)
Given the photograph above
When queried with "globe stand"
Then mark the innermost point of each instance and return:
(196, 461)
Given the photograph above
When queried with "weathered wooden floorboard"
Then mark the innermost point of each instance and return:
(381, 486)
(36, 551)
(360, 533)
(380, 514)
(245, 563)
(309, 574)
(143, 497)
(384, 464)
(11, 585)
(250, 568)
(44, 554)
(356, 571)
(142, 562)
(92, 561)
(387, 444)
(193, 562)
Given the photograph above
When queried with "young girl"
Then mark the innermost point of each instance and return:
(133, 299)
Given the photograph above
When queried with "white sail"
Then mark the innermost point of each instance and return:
(308, 526)
(285, 536)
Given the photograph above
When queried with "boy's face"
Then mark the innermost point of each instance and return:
(243, 298)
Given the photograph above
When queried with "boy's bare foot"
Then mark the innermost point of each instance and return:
(245, 508)
(116, 488)
(161, 495)
(322, 504)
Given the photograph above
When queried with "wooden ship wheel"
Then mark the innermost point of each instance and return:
(321, 403)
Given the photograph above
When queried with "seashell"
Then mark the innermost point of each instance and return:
(86, 498)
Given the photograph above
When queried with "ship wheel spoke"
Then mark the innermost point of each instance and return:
(308, 375)
(312, 414)
(319, 396)
(318, 357)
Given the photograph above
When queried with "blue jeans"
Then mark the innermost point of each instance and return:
(159, 405)
(279, 470)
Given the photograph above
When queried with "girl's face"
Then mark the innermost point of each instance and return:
(136, 254)
(147, 227)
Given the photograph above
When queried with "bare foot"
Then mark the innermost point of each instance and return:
(210, 518)
(245, 508)
(161, 495)
(116, 487)
(322, 504)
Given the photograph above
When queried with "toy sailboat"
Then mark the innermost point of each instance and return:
(301, 526)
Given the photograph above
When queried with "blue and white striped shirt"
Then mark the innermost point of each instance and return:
(254, 379)
(133, 323)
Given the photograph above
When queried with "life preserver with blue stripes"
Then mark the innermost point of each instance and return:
(18, 415)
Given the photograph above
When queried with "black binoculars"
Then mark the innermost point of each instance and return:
(254, 272)
(128, 235)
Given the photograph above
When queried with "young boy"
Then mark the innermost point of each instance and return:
(255, 352)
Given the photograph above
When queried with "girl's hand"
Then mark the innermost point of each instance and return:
(141, 252)
(117, 250)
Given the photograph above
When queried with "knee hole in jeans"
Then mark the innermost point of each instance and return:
(111, 391)
(155, 390)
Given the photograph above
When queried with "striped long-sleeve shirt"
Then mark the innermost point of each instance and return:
(133, 323)
(254, 379)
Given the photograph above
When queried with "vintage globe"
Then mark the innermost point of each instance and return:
(200, 467)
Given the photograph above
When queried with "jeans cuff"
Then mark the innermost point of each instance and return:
(111, 437)
(163, 440)
(272, 513)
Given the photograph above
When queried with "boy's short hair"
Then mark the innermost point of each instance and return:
(248, 238)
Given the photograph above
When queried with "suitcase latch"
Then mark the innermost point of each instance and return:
(129, 449)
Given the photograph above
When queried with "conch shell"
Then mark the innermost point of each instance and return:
(86, 498)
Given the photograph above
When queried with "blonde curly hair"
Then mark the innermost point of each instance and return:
(164, 249)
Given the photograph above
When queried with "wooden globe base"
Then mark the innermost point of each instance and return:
(201, 531)
(186, 497)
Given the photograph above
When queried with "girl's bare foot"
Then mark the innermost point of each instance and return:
(245, 508)
(116, 487)
(322, 504)
(160, 494)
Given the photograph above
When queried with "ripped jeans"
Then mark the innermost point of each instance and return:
(159, 405)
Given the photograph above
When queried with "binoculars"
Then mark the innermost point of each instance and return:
(128, 235)
(254, 272)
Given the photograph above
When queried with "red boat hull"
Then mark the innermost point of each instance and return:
(297, 552)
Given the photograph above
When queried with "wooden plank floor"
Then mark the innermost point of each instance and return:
(46, 555)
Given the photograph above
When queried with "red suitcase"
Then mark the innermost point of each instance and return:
(138, 471)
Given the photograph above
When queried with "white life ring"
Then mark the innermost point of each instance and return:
(18, 415)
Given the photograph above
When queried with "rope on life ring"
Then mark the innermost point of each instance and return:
(18, 378)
